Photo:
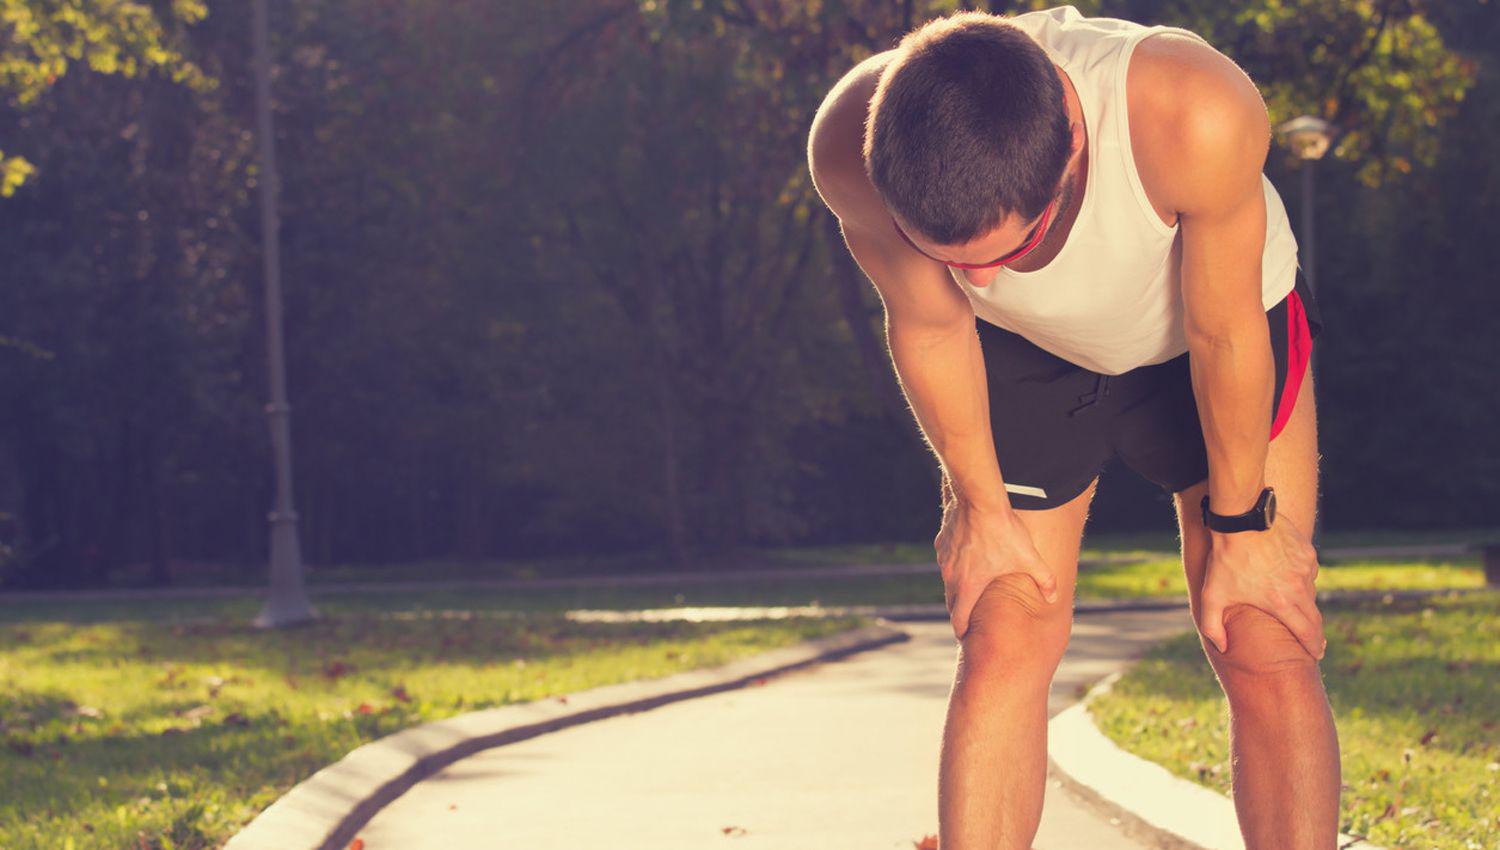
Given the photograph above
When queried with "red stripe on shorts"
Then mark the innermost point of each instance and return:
(1298, 350)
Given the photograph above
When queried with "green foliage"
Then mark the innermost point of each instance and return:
(558, 283)
(1380, 70)
(40, 39)
(13, 172)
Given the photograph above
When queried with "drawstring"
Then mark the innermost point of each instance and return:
(1089, 399)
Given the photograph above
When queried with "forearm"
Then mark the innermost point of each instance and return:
(1234, 377)
(941, 372)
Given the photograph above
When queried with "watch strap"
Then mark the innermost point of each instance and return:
(1251, 520)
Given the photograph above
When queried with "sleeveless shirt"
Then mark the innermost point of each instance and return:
(1111, 299)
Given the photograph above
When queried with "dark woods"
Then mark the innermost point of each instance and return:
(557, 282)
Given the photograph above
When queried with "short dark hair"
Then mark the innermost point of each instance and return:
(968, 125)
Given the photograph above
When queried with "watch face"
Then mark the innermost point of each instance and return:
(1270, 506)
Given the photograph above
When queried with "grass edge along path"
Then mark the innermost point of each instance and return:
(1155, 574)
(1415, 690)
(150, 735)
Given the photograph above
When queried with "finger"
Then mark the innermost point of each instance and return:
(1315, 618)
(1212, 624)
(1046, 582)
(1302, 626)
(963, 604)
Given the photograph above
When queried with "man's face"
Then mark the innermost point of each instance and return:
(1012, 239)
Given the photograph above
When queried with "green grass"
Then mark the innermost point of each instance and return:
(158, 727)
(1154, 574)
(1163, 576)
(276, 707)
(1395, 673)
(1097, 547)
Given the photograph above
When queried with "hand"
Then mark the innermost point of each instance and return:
(976, 545)
(1272, 570)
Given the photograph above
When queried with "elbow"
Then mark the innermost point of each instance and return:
(1226, 336)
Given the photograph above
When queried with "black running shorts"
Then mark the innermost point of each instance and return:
(1056, 423)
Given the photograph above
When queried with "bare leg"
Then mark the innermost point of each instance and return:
(1283, 746)
(993, 769)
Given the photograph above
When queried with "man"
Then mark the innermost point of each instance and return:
(1081, 259)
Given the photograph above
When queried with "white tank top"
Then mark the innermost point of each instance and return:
(1111, 300)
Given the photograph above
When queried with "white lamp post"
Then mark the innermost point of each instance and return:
(287, 601)
(1309, 136)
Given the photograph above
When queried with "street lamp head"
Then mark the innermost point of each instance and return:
(1308, 136)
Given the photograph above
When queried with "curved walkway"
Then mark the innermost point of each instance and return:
(839, 755)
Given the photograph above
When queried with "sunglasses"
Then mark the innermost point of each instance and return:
(1031, 242)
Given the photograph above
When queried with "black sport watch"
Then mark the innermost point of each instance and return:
(1258, 518)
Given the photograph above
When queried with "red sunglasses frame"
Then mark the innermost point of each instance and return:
(1031, 242)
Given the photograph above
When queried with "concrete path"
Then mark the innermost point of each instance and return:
(838, 756)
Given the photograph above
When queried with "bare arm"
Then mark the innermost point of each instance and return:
(1222, 137)
(1223, 141)
(935, 349)
(929, 322)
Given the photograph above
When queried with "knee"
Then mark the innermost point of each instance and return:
(1014, 629)
(1262, 650)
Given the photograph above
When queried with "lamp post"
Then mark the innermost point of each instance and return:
(287, 601)
(1309, 136)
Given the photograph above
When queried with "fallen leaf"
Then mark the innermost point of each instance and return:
(928, 842)
(365, 708)
(357, 844)
(197, 713)
(734, 830)
(1431, 733)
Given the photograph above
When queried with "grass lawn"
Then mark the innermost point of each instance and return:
(155, 726)
(1151, 575)
(1415, 689)
(1097, 547)
(1130, 573)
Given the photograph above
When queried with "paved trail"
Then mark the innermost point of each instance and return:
(839, 756)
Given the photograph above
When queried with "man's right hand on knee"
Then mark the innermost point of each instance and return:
(975, 546)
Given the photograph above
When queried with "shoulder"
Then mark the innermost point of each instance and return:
(835, 143)
(1198, 125)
